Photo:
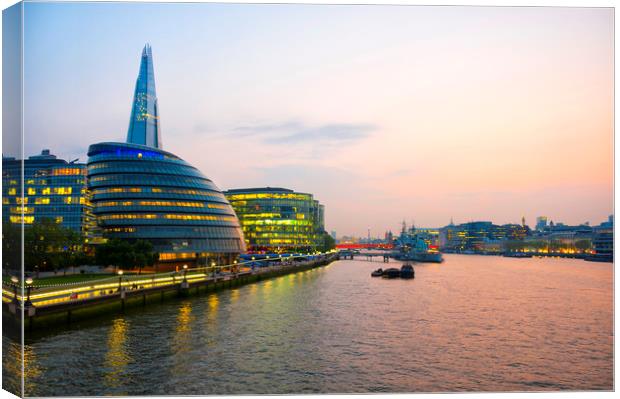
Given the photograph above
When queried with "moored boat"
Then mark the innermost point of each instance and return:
(391, 273)
(406, 271)
(517, 255)
(412, 245)
(377, 273)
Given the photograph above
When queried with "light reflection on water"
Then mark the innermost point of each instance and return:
(472, 323)
(117, 358)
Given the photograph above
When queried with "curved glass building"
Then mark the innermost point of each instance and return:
(141, 192)
(278, 219)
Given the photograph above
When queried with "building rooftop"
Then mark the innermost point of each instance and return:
(260, 190)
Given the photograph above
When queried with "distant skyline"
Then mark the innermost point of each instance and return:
(384, 113)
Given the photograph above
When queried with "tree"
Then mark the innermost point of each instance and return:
(328, 242)
(11, 247)
(144, 254)
(47, 245)
(126, 255)
(582, 245)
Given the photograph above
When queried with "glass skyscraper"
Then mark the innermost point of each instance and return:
(140, 191)
(278, 219)
(144, 125)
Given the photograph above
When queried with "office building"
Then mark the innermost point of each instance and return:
(541, 223)
(278, 219)
(53, 189)
(144, 127)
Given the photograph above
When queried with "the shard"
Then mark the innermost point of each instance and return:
(144, 125)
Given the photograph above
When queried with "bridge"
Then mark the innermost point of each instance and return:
(351, 254)
(364, 246)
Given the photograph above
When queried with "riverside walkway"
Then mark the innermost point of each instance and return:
(41, 300)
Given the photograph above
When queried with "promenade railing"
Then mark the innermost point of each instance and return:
(42, 294)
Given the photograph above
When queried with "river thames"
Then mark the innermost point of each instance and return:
(472, 323)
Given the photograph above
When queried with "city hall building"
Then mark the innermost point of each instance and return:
(278, 219)
(140, 191)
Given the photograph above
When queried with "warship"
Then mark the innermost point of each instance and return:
(412, 245)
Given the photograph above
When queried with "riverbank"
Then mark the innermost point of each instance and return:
(583, 256)
(66, 304)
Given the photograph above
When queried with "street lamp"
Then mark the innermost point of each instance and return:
(120, 279)
(29, 284)
(185, 273)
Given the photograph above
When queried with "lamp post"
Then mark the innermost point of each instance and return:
(235, 267)
(185, 273)
(29, 287)
(120, 280)
(213, 269)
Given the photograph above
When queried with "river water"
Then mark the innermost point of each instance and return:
(472, 323)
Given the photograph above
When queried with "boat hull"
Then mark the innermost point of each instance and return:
(434, 257)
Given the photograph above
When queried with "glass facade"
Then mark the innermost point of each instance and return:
(144, 125)
(472, 236)
(141, 192)
(52, 188)
(278, 219)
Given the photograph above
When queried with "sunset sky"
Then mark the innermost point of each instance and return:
(384, 113)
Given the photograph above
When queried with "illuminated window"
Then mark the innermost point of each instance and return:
(31, 191)
(67, 171)
(63, 190)
(18, 219)
(59, 219)
(12, 191)
(168, 216)
(42, 200)
(46, 191)
(24, 209)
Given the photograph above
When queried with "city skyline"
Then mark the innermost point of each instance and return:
(518, 123)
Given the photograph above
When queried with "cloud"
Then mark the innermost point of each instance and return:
(328, 133)
(267, 129)
(296, 132)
